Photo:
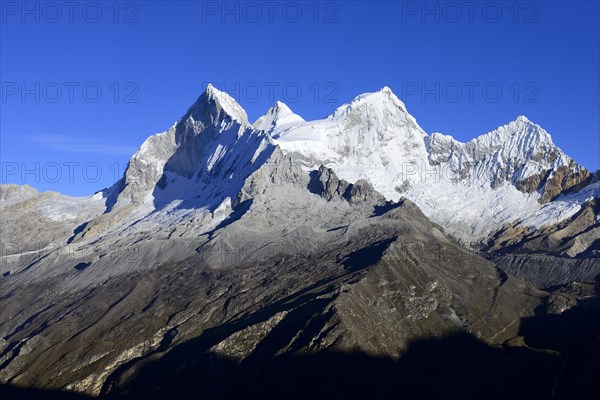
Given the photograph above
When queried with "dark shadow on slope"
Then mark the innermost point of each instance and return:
(236, 215)
(11, 392)
(224, 179)
(454, 367)
(77, 231)
(593, 251)
(318, 187)
(315, 186)
(575, 334)
(366, 256)
(560, 361)
(308, 301)
(458, 366)
(111, 194)
(82, 265)
(325, 183)
(388, 206)
(190, 351)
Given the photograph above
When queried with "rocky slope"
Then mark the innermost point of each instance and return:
(472, 189)
(520, 152)
(231, 251)
(353, 275)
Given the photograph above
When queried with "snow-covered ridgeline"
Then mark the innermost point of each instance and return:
(468, 188)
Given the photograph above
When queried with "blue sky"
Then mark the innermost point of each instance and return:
(84, 84)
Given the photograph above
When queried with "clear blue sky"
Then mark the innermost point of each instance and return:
(462, 70)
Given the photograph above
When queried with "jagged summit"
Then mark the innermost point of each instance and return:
(277, 117)
(520, 139)
(513, 152)
(520, 127)
(214, 106)
(232, 249)
(211, 90)
(374, 138)
(212, 138)
(470, 188)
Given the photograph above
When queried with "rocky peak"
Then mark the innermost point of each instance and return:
(198, 141)
(375, 146)
(519, 139)
(520, 152)
(532, 161)
(214, 107)
(326, 184)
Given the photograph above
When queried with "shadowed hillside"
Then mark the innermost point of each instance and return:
(555, 357)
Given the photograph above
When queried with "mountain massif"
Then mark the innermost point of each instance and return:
(345, 257)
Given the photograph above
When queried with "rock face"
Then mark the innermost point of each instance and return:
(520, 153)
(545, 271)
(577, 237)
(243, 261)
(553, 255)
(35, 224)
(499, 177)
(552, 183)
(339, 278)
(326, 184)
(212, 141)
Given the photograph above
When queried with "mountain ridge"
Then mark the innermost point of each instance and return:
(227, 242)
(206, 156)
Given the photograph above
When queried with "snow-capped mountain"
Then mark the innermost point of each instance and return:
(520, 152)
(197, 169)
(213, 143)
(277, 118)
(235, 244)
(373, 137)
(471, 188)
